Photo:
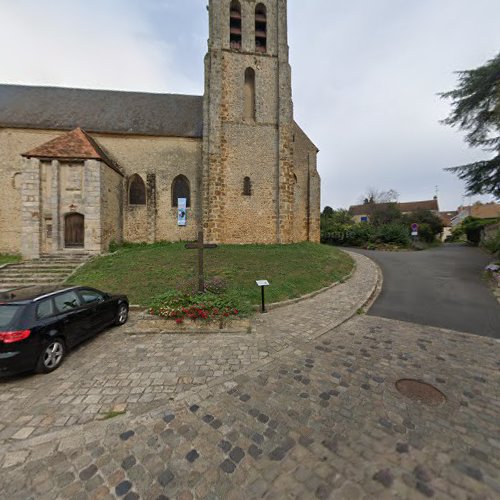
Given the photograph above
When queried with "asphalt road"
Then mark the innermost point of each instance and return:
(441, 287)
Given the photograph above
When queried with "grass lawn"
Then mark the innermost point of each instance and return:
(145, 271)
(9, 259)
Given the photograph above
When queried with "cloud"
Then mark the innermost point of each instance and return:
(366, 78)
(91, 43)
(365, 74)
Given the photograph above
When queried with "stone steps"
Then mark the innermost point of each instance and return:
(48, 270)
(31, 276)
(31, 268)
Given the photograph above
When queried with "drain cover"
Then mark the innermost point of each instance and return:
(420, 391)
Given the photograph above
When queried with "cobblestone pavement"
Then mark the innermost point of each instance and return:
(122, 371)
(317, 417)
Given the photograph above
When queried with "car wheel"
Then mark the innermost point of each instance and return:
(122, 315)
(52, 356)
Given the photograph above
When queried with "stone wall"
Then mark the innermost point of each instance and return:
(12, 143)
(308, 190)
(157, 159)
(279, 159)
(30, 210)
(112, 189)
(236, 146)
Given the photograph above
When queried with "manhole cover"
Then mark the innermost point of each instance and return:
(420, 391)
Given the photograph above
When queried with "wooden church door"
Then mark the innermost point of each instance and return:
(74, 231)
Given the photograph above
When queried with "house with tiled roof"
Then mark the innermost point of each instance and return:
(478, 210)
(362, 213)
(82, 168)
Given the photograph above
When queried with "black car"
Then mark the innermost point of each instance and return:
(38, 325)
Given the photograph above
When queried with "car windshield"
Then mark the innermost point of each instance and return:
(8, 314)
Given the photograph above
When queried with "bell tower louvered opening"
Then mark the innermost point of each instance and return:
(235, 27)
(261, 28)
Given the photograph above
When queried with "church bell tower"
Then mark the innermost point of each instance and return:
(248, 178)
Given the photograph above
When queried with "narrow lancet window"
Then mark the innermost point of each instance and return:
(247, 186)
(136, 191)
(249, 109)
(181, 189)
(235, 29)
(261, 28)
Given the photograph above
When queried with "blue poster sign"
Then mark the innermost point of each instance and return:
(181, 212)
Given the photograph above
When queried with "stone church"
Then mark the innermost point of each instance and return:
(82, 168)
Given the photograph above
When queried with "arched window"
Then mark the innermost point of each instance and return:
(136, 191)
(249, 107)
(181, 189)
(247, 186)
(260, 28)
(235, 25)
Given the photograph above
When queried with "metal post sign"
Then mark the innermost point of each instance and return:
(182, 211)
(263, 284)
(414, 229)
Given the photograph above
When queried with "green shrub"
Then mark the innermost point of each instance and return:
(424, 216)
(393, 233)
(386, 213)
(492, 244)
(473, 228)
(426, 233)
(457, 234)
(360, 235)
(335, 225)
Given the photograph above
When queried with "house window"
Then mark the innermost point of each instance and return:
(136, 191)
(235, 30)
(247, 186)
(181, 189)
(249, 107)
(261, 28)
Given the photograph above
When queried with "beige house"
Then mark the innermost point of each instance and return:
(478, 210)
(82, 168)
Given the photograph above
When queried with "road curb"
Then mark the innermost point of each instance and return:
(202, 392)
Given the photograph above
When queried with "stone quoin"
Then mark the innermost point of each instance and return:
(80, 169)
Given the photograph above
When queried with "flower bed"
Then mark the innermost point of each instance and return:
(206, 307)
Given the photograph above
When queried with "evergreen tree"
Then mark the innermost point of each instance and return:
(476, 109)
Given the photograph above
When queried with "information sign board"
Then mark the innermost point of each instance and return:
(181, 212)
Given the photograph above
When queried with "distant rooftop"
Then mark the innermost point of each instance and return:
(482, 210)
(105, 111)
(410, 206)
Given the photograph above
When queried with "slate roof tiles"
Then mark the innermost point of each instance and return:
(105, 111)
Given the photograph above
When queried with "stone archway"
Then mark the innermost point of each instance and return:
(74, 230)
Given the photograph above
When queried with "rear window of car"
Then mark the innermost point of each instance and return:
(45, 309)
(9, 314)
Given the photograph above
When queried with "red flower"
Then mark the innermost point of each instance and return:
(178, 321)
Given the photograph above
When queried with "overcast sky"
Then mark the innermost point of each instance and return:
(366, 74)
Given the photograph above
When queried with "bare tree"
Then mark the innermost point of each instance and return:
(374, 195)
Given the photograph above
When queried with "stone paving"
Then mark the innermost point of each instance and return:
(314, 415)
(121, 370)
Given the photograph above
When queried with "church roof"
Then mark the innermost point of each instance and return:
(106, 111)
(74, 145)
